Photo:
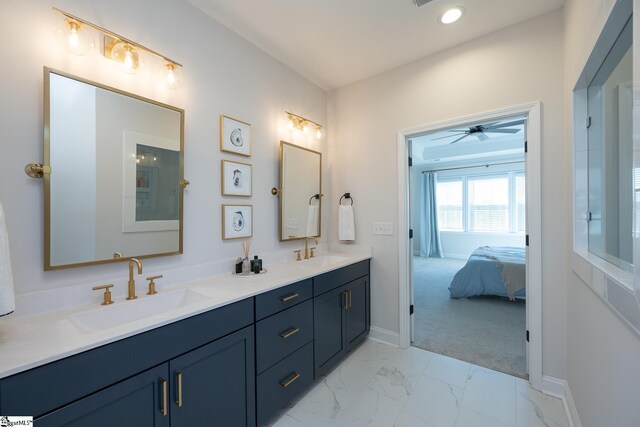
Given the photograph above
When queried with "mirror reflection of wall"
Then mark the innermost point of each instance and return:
(610, 155)
(300, 177)
(104, 197)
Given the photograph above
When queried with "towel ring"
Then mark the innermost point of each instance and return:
(346, 196)
(315, 196)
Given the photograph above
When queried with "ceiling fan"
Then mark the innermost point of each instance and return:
(480, 131)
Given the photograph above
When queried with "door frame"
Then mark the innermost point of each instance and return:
(534, 226)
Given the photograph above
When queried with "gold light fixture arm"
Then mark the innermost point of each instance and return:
(303, 119)
(115, 36)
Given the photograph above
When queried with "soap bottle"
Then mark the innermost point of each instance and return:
(255, 261)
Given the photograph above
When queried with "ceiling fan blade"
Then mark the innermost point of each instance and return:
(504, 125)
(458, 130)
(448, 136)
(503, 130)
(481, 136)
(462, 137)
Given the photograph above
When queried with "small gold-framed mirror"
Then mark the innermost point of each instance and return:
(300, 192)
(114, 180)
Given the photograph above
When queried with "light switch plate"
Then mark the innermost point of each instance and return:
(384, 228)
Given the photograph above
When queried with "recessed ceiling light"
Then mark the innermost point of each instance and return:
(451, 15)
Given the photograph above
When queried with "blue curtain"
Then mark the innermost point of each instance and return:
(430, 244)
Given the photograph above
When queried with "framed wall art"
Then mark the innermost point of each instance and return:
(236, 179)
(237, 221)
(235, 136)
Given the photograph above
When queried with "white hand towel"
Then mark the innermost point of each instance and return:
(7, 297)
(312, 220)
(346, 223)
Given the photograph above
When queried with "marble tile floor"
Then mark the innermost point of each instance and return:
(381, 385)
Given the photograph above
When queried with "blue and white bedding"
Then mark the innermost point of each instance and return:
(491, 271)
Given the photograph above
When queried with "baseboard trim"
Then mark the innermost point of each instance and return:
(570, 407)
(559, 388)
(384, 336)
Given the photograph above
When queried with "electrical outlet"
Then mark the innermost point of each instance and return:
(385, 228)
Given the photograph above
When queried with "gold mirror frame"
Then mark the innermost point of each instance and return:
(280, 190)
(47, 172)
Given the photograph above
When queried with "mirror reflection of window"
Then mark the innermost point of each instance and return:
(610, 155)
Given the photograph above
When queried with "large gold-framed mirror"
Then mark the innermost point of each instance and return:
(116, 182)
(300, 192)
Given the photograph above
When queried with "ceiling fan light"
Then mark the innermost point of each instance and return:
(451, 15)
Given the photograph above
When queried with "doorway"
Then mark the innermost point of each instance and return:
(528, 177)
(468, 216)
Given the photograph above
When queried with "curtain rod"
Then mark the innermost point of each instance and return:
(471, 167)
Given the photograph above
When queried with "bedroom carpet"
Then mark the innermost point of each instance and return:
(486, 331)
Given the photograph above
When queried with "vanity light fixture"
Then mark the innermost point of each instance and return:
(73, 34)
(452, 15)
(296, 122)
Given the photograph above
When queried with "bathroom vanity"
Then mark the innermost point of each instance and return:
(240, 362)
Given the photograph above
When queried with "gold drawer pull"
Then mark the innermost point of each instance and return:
(290, 332)
(291, 380)
(163, 410)
(179, 379)
(290, 297)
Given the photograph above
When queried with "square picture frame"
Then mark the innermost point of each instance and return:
(235, 136)
(237, 221)
(237, 178)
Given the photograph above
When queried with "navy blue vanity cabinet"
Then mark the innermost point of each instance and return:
(284, 348)
(138, 401)
(341, 316)
(122, 380)
(215, 384)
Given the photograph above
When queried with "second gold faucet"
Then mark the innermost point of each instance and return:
(132, 282)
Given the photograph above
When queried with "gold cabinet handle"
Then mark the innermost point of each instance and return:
(179, 379)
(345, 300)
(349, 294)
(286, 383)
(163, 410)
(290, 332)
(290, 297)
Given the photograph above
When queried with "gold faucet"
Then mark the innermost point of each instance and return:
(132, 282)
(306, 247)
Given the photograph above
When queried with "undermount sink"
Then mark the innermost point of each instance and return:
(324, 260)
(129, 311)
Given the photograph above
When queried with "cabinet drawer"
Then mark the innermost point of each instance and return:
(284, 383)
(331, 280)
(277, 300)
(283, 333)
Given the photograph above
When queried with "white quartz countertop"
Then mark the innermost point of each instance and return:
(33, 340)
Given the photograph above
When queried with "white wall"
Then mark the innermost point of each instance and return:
(510, 67)
(223, 74)
(602, 351)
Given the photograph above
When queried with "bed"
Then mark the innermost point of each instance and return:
(491, 271)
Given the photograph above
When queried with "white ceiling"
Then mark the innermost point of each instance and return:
(337, 42)
(437, 149)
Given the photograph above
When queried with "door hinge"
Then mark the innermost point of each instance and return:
(588, 122)
(410, 162)
(527, 336)
(411, 309)
(411, 233)
(526, 147)
(526, 240)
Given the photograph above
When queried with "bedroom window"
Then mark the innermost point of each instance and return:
(489, 203)
(492, 203)
(449, 204)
